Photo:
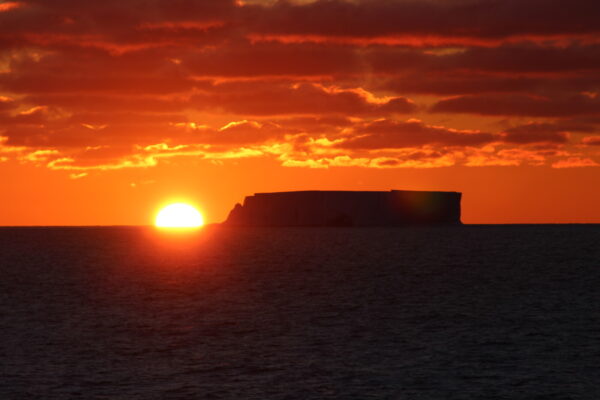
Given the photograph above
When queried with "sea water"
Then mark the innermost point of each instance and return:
(470, 312)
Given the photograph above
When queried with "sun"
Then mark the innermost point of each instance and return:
(179, 215)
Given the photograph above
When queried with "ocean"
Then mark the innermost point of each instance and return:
(468, 312)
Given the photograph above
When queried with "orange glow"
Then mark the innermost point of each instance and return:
(217, 100)
(10, 5)
(179, 215)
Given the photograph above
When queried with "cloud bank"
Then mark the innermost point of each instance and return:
(96, 86)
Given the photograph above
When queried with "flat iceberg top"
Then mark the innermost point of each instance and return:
(350, 191)
(348, 208)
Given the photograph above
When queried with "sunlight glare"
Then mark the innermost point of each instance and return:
(179, 215)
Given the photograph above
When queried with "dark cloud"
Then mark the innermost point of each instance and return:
(6, 103)
(112, 18)
(274, 59)
(525, 58)
(538, 132)
(521, 105)
(386, 134)
(522, 58)
(328, 79)
(33, 116)
(475, 19)
(302, 98)
(243, 133)
(449, 83)
(479, 19)
(107, 103)
(591, 140)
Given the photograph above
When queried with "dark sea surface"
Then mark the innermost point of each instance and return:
(471, 312)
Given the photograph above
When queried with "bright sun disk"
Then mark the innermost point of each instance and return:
(179, 215)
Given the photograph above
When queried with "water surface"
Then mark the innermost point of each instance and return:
(472, 312)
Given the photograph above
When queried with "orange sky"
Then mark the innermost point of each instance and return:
(110, 109)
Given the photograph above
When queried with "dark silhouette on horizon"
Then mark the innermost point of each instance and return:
(347, 208)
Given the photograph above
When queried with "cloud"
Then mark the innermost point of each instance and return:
(98, 86)
(481, 19)
(136, 20)
(272, 60)
(591, 140)
(78, 175)
(100, 103)
(520, 105)
(242, 133)
(367, 162)
(303, 99)
(448, 83)
(575, 162)
(6, 103)
(70, 164)
(43, 129)
(537, 133)
(109, 18)
(10, 5)
(40, 155)
(8, 151)
(248, 99)
(382, 134)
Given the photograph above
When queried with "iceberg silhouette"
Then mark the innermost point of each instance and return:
(347, 208)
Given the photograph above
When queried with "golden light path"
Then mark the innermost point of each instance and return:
(179, 215)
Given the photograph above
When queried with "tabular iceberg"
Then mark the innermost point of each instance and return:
(347, 208)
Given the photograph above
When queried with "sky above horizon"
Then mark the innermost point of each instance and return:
(111, 109)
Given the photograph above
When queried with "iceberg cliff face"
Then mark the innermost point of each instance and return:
(347, 208)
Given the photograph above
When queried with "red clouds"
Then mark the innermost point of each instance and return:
(542, 133)
(321, 84)
(385, 134)
(477, 19)
(521, 105)
(6, 103)
(591, 140)
(303, 98)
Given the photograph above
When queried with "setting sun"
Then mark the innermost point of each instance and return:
(179, 215)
